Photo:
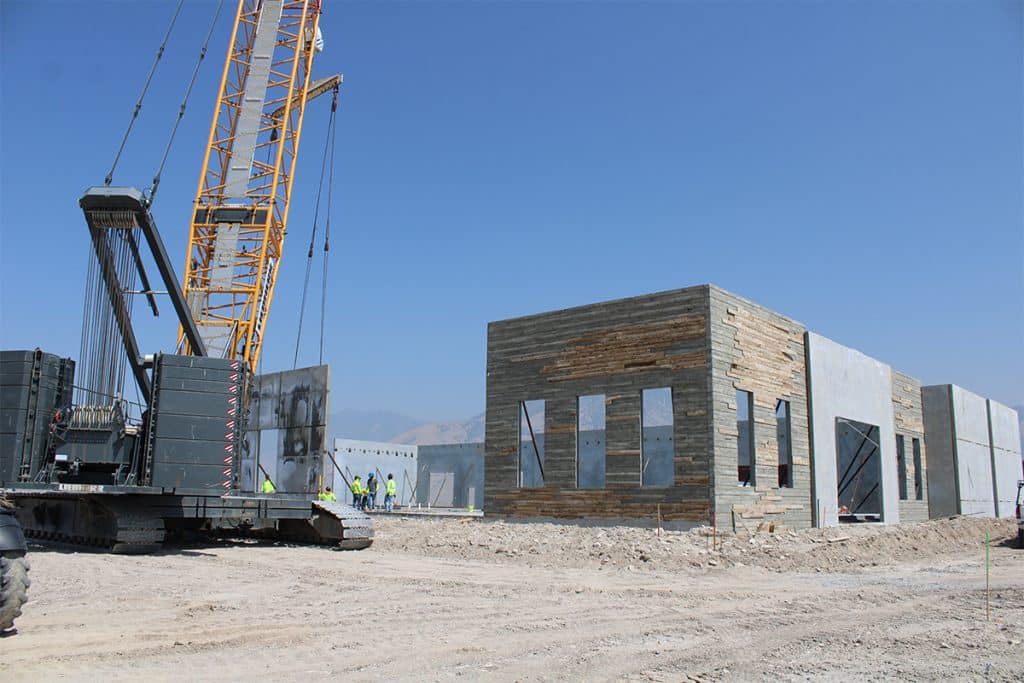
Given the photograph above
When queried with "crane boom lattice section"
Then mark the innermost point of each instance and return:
(241, 207)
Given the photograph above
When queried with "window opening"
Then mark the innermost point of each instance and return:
(745, 470)
(657, 448)
(531, 444)
(901, 465)
(782, 433)
(915, 444)
(590, 442)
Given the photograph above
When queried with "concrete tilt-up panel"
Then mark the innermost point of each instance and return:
(844, 383)
(960, 454)
(1006, 457)
(937, 407)
(973, 453)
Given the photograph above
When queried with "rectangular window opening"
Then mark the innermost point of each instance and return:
(901, 465)
(859, 470)
(657, 447)
(782, 434)
(746, 474)
(915, 444)
(531, 444)
(590, 442)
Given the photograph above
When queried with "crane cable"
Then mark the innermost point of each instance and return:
(138, 105)
(328, 154)
(184, 103)
(327, 235)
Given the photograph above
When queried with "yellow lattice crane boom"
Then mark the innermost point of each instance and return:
(241, 206)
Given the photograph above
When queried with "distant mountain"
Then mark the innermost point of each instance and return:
(369, 425)
(455, 431)
(383, 425)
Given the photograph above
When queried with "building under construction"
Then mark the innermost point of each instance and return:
(697, 406)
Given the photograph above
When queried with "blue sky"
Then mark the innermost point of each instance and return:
(856, 166)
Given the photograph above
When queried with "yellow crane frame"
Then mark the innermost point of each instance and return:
(238, 310)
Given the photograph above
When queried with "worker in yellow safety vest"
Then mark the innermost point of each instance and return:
(390, 489)
(357, 491)
(327, 495)
(268, 486)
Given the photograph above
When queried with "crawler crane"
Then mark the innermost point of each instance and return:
(79, 466)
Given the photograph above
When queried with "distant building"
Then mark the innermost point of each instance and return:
(355, 457)
(451, 476)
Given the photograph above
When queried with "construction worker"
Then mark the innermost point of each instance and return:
(366, 493)
(390, 489)
(268, 486)
(371, 488)
(328, 495)
(357, 492)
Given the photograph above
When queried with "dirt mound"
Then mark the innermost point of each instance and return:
(847, 548)
(449, 600)
(568, 545)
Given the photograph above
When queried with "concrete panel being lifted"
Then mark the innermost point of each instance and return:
(287, 430)
(1006, 457)
(845, 383)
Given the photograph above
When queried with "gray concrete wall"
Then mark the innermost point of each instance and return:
(960, 452)
(845, 383)
(943, 498)
(973, 454)
(355, 456)
(1006, 456)
(451, 475)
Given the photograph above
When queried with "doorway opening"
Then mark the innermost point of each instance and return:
(859, 466)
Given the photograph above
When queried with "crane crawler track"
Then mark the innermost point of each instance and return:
(133, 524)
(121, 527)
(332, 524)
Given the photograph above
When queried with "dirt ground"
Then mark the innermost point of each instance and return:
(447, 599)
